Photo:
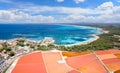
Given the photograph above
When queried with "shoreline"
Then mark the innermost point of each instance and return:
(94, 38)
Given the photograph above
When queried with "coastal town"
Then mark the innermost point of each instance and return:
(12, 51)
(102, 52)
(59, 36)
(13, 48)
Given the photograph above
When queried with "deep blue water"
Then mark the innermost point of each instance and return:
(63, 34)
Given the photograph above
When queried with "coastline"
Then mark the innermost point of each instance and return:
(93, 38)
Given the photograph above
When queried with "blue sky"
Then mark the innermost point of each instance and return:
(59, 11)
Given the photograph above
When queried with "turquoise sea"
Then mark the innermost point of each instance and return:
(62, 34)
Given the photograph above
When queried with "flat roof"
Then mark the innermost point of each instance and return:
(55, 63)
(86, 64)
(30, 63)
(68, 62)
(80, 60)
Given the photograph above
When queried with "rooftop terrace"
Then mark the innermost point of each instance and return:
(69, 62)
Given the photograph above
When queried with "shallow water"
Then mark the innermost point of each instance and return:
(62, 34)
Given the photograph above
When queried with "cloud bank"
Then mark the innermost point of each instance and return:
(106, 13)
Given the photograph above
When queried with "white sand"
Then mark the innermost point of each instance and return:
(86, 42)
(90, 40)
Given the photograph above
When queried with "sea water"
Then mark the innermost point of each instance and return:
(62, 34)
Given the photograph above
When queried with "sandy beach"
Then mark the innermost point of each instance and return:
(96, 36)
(85, 42)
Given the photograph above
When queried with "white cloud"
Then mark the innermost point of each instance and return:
(21, 17)
(60, 0)
(62, 10)
(105, 12)
(78, 1)
(106, 5)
